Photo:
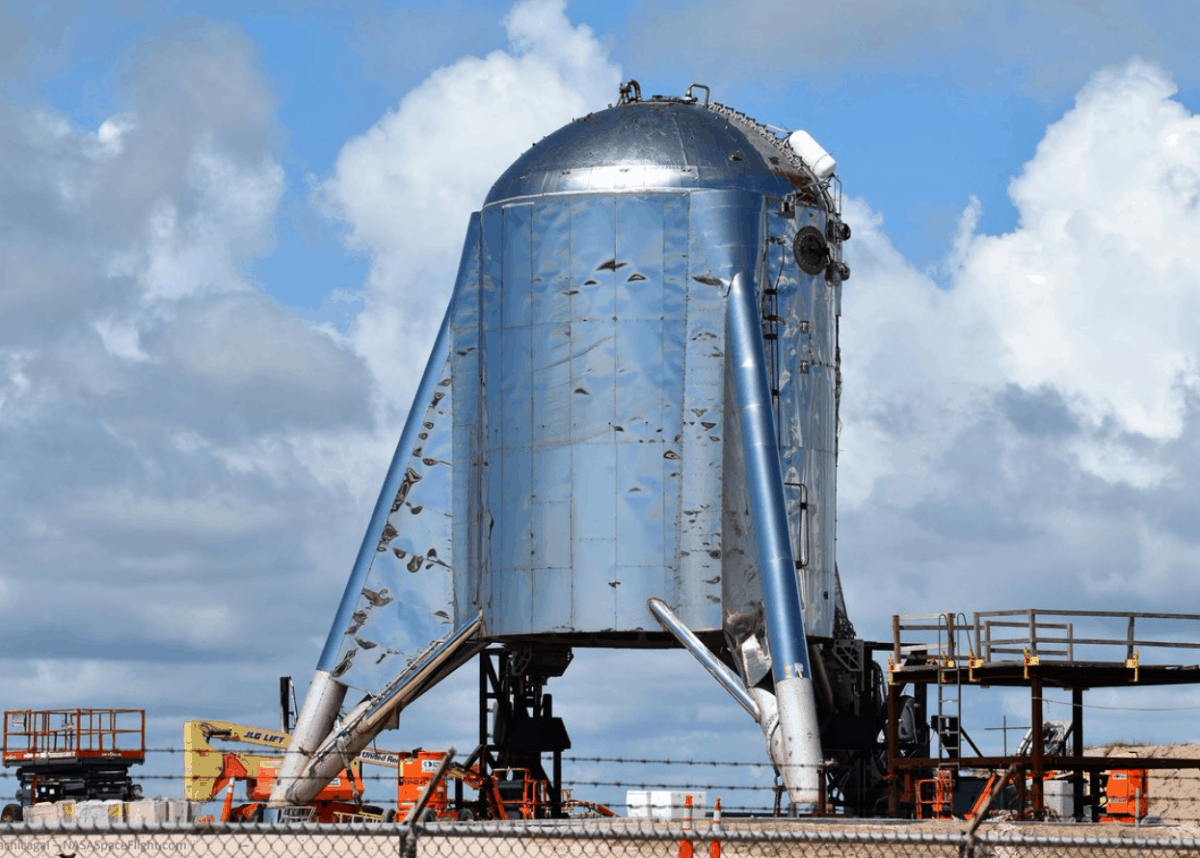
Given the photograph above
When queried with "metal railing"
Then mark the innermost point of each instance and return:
(1013, 635)
(57, 734)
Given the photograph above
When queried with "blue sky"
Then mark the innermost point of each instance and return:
(225, 230)
(918, 126)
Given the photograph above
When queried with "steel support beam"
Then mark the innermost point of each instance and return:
(1037, 751)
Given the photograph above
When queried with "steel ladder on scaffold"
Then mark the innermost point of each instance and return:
(948, 725)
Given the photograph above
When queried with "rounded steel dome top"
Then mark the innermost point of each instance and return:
(659, 144)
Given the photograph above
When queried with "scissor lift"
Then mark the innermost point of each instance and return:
(73, 754)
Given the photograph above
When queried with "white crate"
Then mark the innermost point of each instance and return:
(664, 804)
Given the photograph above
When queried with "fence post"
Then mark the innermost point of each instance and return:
(408, 838)
(714, 846)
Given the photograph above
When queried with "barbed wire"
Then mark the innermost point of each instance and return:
(1182, 808)
(657, 761)
(667, 762)
(640, 761)
(266, 752)
(635, 785)
(1184, 771)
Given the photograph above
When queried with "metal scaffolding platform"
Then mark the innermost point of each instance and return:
(1034, 648)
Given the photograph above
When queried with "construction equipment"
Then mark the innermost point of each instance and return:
(413, 774)
(417, 768)
(992, 790)
(506, 793)
(951, 794)
(935, 796)
(521, 795)
(1126, 795)
(73, 754)
(209, 770)
(954, 791)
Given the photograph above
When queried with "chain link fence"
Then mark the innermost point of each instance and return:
(1172, 828)
(544, 840)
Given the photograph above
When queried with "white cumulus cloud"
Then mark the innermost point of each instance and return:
(157, 410)
(1107, 216)
(1025, 432)
(408, 185)
(1090, 299)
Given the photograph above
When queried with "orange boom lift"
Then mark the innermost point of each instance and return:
(208, 770)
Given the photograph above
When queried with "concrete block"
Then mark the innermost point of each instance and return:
(180, 810)
(91, 813)
(66, 810)
(99, 812)
(148, 810)
(45, 813)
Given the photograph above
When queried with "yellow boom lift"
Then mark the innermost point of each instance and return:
(207, 770)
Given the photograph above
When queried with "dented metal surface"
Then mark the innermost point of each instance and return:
(575, 448)
(400, 593)
(582, 331)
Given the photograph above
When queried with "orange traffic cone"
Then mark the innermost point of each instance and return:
(685, 846)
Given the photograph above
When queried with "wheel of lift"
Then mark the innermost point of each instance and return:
(12, 813)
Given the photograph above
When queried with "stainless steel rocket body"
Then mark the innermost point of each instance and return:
(580, 445)
(593, 346)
